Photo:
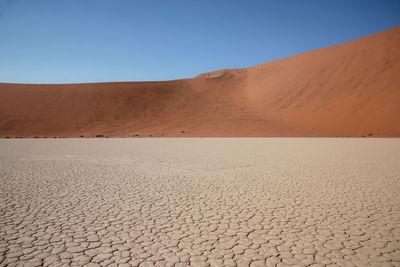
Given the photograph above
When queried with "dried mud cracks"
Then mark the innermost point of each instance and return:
(209, 202)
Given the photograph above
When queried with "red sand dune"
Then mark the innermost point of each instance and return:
(352, 89)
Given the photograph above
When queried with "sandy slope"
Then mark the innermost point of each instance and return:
(200, 202)
(352, 89)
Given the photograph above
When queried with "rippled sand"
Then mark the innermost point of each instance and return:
(200, 202)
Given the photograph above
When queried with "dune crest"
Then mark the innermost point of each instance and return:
(351, 89)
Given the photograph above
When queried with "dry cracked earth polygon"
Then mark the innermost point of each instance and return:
(200, 202)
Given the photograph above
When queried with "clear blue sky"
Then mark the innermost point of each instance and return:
(66, 41)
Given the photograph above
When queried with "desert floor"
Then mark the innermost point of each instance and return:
(200, 202)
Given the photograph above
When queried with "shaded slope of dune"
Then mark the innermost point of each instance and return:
(351, 89)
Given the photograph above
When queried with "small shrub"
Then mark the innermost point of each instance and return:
(370, 134)
(99, 135)
(7, 137)
(82, 136)
(182, 131)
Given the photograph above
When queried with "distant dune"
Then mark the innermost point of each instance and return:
(351, 89)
